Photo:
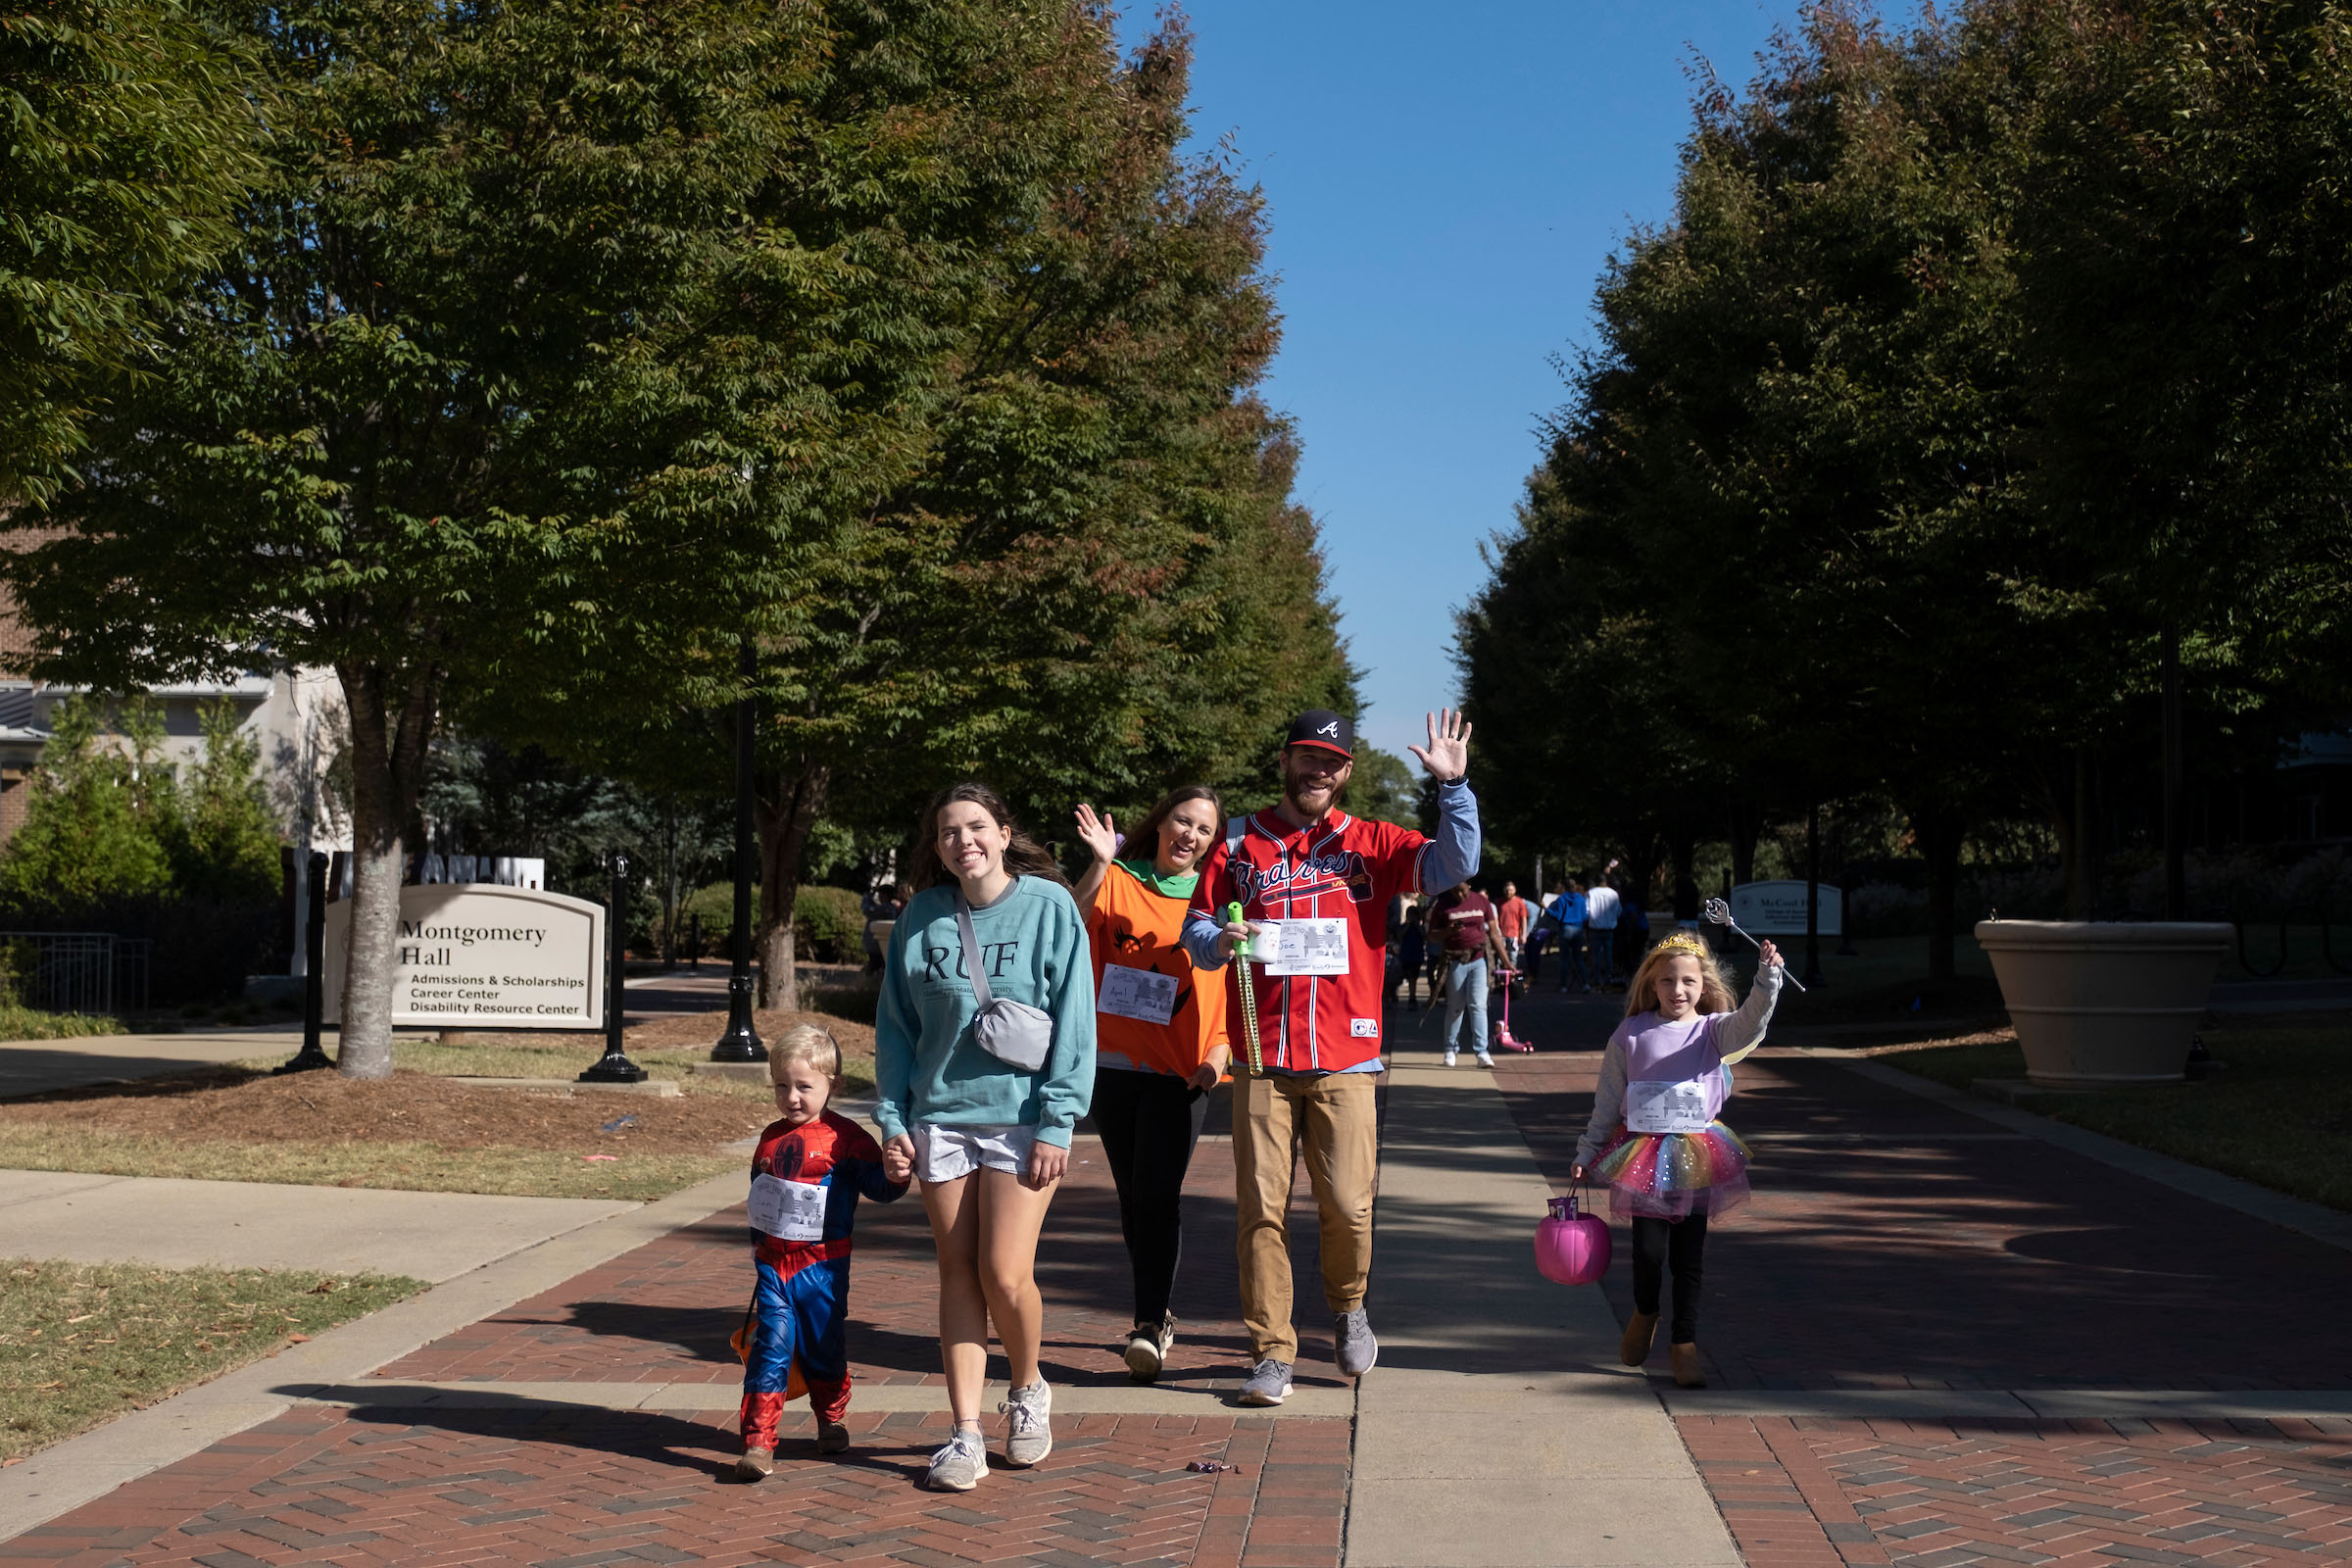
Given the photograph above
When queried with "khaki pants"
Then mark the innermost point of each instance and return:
(1335, 1117)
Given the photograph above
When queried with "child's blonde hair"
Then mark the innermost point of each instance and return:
(805, 1043)
(1714, 991)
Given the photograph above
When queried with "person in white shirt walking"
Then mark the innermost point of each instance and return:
(1602, 908)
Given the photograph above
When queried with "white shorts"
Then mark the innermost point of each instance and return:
(945, 1153)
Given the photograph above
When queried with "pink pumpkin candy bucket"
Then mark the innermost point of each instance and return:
(1571, 1247)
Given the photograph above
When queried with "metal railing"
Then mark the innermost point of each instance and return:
(76, 971)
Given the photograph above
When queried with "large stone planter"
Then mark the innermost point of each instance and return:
(2102, 1004)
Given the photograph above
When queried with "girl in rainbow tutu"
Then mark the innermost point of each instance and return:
(1654, 1136)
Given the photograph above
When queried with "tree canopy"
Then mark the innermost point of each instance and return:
(1970, 348)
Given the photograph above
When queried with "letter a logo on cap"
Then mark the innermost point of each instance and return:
(1320, 726)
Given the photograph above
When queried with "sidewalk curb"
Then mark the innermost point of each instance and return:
(64, 1477)
(2320, 1224)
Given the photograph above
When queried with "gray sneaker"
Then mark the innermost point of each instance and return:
(1029, 1435)
(960, 1465)
(1269, 1383)
(1354, 1347)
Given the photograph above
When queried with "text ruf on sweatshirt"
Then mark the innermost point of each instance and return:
(998, 958)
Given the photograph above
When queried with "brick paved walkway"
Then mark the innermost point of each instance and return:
(575, 1486)
(1895, 1243)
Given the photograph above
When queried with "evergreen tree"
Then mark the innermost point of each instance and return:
(85, 838)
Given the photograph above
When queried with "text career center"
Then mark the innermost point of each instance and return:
(484, 956)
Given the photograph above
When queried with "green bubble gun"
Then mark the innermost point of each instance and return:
(1241, 956)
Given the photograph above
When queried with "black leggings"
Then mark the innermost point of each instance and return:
(1149, 1122)
(1658, 1246)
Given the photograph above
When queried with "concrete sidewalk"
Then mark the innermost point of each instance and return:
(344, 1230)
(1499, 1428)
(40, 1066)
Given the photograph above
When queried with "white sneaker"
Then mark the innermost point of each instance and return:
(1485, 1061)
(1449, 1059)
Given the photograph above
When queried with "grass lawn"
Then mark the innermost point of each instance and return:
(2280, 1113)
(422, 1129)
(418, 1166)
(82, 1343)
(29, 1023)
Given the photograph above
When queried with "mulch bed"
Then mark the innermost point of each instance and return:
(232, 1105)
(676, 1031)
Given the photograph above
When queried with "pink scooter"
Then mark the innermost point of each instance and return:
(1502, 1035)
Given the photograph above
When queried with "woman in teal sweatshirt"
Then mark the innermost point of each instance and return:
(988, 1140)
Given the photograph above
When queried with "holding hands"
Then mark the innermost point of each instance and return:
(898, 1159)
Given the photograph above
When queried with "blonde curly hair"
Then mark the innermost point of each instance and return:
(1714, 991)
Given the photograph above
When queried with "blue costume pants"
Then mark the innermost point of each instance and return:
(803, 1316)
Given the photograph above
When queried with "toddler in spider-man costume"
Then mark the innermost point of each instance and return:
(810, 1168)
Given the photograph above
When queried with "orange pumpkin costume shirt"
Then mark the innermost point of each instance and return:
(1138, 927)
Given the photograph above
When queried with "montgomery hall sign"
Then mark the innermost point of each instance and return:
(477, 956)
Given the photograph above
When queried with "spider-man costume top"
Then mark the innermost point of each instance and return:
(806, 1183)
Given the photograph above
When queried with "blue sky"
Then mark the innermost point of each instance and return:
(1445, 185)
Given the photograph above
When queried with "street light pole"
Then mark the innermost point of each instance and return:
(1813, 898)
(741, 1041)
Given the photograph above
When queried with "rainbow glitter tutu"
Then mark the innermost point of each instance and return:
(1672, 1175)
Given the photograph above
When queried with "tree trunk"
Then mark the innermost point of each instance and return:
(2080, 838)
(1747, 822)
(388, 740)
(788, 814)
(1938, 830)
(1685, 873)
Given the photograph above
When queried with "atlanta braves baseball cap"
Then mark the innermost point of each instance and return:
(1320, 726)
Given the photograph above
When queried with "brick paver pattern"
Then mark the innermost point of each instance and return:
(583, 1489)
(1819, 1493)
(575, 1488)
(1896, 1244)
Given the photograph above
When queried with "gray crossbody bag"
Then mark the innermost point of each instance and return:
(1013, 1032)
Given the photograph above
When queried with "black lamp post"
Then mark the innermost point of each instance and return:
(314, 978)
(1813, 898)
(741, 1041)
(615, 1066)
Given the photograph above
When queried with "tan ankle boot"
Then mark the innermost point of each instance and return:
(1639, 1330)
(1686, 1366)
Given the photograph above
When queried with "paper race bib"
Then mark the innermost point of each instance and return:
(1143, 994)
(1303, 947)
(790, 1211)
(1654, 1107)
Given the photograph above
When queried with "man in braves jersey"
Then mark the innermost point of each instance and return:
(1315, 887)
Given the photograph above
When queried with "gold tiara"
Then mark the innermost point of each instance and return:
(1682, 942)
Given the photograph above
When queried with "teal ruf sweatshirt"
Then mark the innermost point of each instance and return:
(928, 1068)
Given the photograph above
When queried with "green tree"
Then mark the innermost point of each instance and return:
(1775, 543)
(1094, 581)
(2183, 215)
(130, 136)
(228, 839)
(85, 838)
(542, 301)
(1382, 789)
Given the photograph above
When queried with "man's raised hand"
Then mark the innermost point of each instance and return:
(1447, 753)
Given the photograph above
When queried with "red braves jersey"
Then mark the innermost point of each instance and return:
(1341, 867)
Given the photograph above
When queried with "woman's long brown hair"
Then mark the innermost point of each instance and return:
(1024, 857)
(1143, 839)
